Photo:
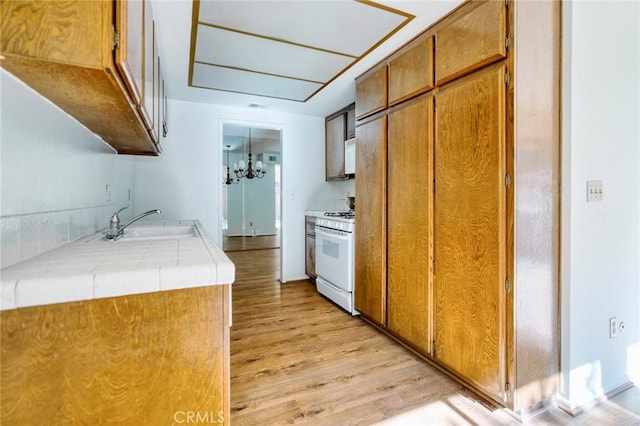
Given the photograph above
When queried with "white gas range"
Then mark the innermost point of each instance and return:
(335, 254)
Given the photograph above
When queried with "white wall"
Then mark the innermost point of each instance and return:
(600, 241)
(186, 180)
(333, 195)
(53, 175)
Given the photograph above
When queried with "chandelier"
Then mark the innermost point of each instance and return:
(228, 180)
(249, 172)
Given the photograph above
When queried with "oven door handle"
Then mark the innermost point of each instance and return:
(335, 234)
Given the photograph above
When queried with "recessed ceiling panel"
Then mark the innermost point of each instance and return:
(284, 49)
(231, 80)
(349, 27)
(220, 47)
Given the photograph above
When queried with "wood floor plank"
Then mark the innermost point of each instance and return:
(296, 358)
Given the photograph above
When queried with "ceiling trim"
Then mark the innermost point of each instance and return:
(258, 72)
(195, 22)
(194, 32)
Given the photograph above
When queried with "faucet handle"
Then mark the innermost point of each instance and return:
(115, 220)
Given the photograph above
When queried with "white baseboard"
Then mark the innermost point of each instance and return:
(565, 405)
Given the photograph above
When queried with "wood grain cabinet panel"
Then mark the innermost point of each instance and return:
(371, 227)
(410, 175)
(470, 229)
(411, 70)
(66, 51)
(351, 121)
(144, 359)
(129, 53)
(335, 134)
(371, 92)
(146, 106)
(472, 41)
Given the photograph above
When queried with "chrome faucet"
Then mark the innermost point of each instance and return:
(116, 231)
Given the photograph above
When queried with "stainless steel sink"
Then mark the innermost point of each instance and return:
(150, 232)
(160, 232)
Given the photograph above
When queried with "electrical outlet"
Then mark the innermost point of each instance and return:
(613, 327)
(108, 192)
(594, 191)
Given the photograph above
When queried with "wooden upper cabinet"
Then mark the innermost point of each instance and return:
(146, 106)
(65, 52)
(472, 41)
(351, 122)
(129, 53)
(411, 70)
(159, 104)
(371, 92)
(334, 147)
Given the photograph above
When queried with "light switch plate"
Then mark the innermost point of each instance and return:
(594, 191)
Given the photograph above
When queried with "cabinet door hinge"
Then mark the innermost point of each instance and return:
(506, 3)
(433, 263)
(433, 348)
(507, 78)
(116, 38)
(507, 181)
(507, 285)
(433, 185)
(507, 42)
(507, 390)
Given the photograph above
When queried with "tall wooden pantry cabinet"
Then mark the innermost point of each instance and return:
(457, 225)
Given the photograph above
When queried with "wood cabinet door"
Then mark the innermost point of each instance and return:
(146, 106)
(411, 71)
(371, 92)
(310, 257)
(129, 54)
(371, 227)
(157, 102)
(472, 41)
(351, 122)
(470, 229)
(334, 149)
(410, 202)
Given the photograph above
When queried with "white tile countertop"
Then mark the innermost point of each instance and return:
(92, 267)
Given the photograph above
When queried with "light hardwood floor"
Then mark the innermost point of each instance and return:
(251, 243)
(297, 358)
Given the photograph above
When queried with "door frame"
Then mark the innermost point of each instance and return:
(262, 125)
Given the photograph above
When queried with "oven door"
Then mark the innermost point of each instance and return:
(334, 257)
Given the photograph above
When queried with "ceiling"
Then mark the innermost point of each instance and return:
(283, 49)
(340, 33)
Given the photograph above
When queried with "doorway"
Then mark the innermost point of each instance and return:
(251, 206)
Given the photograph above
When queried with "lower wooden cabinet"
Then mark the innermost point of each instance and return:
(310, 247)
(410, 204)
(371, 225)
(142, 359)
(470, 233)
